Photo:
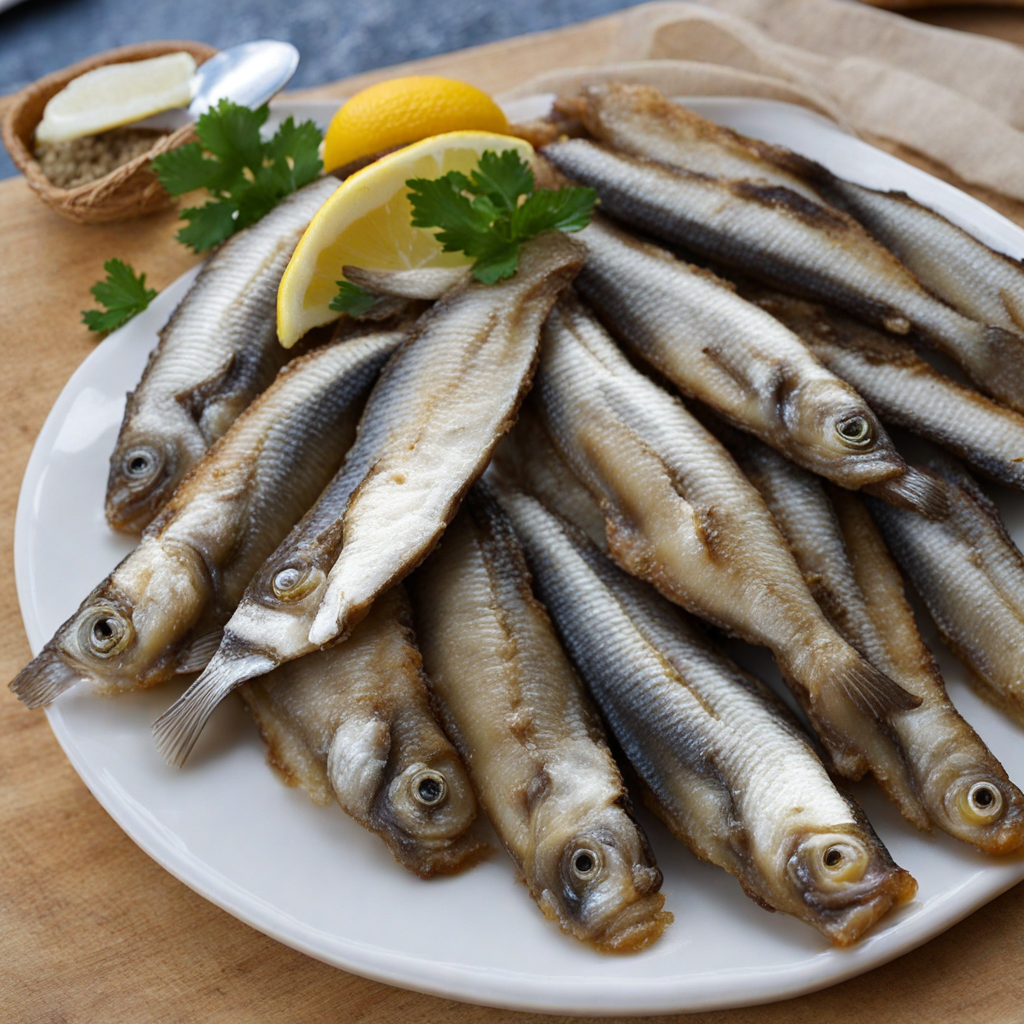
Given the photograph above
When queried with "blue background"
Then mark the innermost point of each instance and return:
(335, 38)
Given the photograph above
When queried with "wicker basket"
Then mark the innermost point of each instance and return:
(130, 190)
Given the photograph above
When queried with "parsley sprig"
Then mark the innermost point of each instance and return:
(353, 300)
(246, 176)
(122, 293)
(489, 214)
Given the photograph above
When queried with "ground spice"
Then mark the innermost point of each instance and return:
(79, 161)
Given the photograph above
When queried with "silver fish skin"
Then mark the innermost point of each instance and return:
(970, 575)
(908, 391)
(161, 610)
(715, 346)
(354, 723)
(218, 351)
(643, 122)
(723, 763)
(680, 514)
(534, 747)
(787, 241)
(441, 405)
(936, 767)
(528, 460)
(981, 283)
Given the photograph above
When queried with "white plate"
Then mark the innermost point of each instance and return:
(311, 878)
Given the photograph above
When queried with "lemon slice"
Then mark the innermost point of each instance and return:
(117, 94)
(367, 223)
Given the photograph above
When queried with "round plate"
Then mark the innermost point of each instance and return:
(311, 878)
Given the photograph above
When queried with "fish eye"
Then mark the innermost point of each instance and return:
(832, 857)
(293, 582)
(104, 633)
(429, 788)
(585, 864)
(140, 463)
(855, 431)
(982, 804)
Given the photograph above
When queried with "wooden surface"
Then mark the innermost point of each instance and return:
(90, 928)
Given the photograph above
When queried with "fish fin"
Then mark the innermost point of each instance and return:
(195, 399)
(175, 732)
(859, 683)
(916, 491)
(44, 679)
(199, 652)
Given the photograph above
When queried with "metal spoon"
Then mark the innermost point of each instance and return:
(248, 74)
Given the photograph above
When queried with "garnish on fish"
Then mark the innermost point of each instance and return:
(218, 351)
(353, 723)
(533, 744)
(723, 762)
(430, 425)
(161, 610)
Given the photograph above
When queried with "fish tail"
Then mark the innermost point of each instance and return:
(43, 679)
(175, 732)
(916, 491)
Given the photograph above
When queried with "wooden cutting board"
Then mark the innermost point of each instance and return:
(91, 929)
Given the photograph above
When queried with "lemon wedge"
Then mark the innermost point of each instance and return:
(117, 94)
(367, 223)
(404, 110)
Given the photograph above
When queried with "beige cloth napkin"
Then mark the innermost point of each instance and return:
(956, 98)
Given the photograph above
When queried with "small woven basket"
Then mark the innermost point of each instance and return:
(130, 190)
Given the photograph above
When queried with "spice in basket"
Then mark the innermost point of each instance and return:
(79, 161)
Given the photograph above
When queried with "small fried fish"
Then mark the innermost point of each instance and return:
(533, 744)
(715, 346)
(934, 765)
(680, 514)
(354, 723)
(908, 391)
(218, 351)
(970, 575)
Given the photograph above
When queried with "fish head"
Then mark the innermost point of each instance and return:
(426, 811)
(602, 884)
(146, 466)
(843, 882)
(97, 644)
(839, 434)
(980, 807)
(280, 604)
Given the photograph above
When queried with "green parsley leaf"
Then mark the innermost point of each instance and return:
(246, 176)
(490, 213)
(122, 293)
(352, 299)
